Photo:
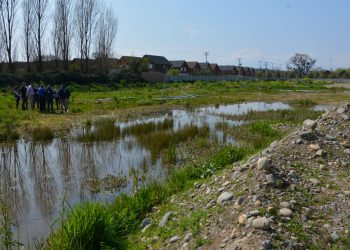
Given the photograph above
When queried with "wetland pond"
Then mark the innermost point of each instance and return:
(100, 159)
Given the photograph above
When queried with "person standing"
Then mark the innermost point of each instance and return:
(49, 99)
(55, 95)
(36, 96)
(42, 98)
(63, 95)
(30, 95)
(24, 96)
(17, 96)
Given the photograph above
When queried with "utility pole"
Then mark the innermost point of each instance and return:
(206, 54)
(260, 64)
(239, 61)
(265, 63)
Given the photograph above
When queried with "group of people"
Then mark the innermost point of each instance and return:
(42, 97)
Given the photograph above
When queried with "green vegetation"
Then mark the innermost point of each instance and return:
(42, 134)
(91, 100)
(103, 130)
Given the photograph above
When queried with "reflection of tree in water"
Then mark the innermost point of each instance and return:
(64, 164)
(12, 181)
(45, 188)
(87, 167)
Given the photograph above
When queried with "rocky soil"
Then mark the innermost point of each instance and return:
(293, 195)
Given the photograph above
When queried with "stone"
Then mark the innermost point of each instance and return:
(342, 110)
(270, 179)
(309, 124)
(286, 212)
(347, 192)
(261, 223)
(225, 197)
(165, 219)
(263, 163)
(299, 141)
(233, 234)
(239, 201)
(314, 181)
(221, 189)
(254, 213)
(208, 191)
(314, 146)
(335, 236)
(145, 222)
(345, 117)
(188, 237)
(319, 153)
(266, 244)
(186, 246)
(284, 204)
(309, 136)
(242, 219)
(257, 203)
(347, 151)
(174, 239)
(345, 144)
(226, 184)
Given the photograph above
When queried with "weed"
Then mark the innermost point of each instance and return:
(42, 134)
(103, 130)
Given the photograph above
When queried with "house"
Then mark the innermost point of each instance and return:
(157, 63)
(228, 70)
(180, 65)
(205, 68)
(129, 62)
(194, 68)
(215, 69)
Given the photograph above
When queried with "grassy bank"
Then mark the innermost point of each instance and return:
(127, 102)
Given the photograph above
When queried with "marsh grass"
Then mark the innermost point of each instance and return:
(102, 130)
(302, 103)
(294, 116)
(149, 127)
(156, 142)
(42, 134)
(7, 238)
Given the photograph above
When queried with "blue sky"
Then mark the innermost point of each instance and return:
(266, 30)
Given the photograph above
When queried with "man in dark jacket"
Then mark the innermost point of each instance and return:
(42, 98)
(49, 98)
(63, 95)
(24, 96)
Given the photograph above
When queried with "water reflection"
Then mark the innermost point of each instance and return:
(34, 176)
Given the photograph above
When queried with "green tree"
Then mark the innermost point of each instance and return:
(301, 64)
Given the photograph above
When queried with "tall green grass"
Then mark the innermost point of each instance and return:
(98, 226)
(102, 130)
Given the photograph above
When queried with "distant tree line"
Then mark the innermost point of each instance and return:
(54, 31)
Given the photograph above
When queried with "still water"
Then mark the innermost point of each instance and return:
(34, 177)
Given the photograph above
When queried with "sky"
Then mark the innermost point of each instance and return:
(254, 30)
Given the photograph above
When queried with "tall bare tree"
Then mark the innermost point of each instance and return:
(106, 35)
(86, 12)
(62, 31)
(38, 28)
(27, 12)
(8, 10)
